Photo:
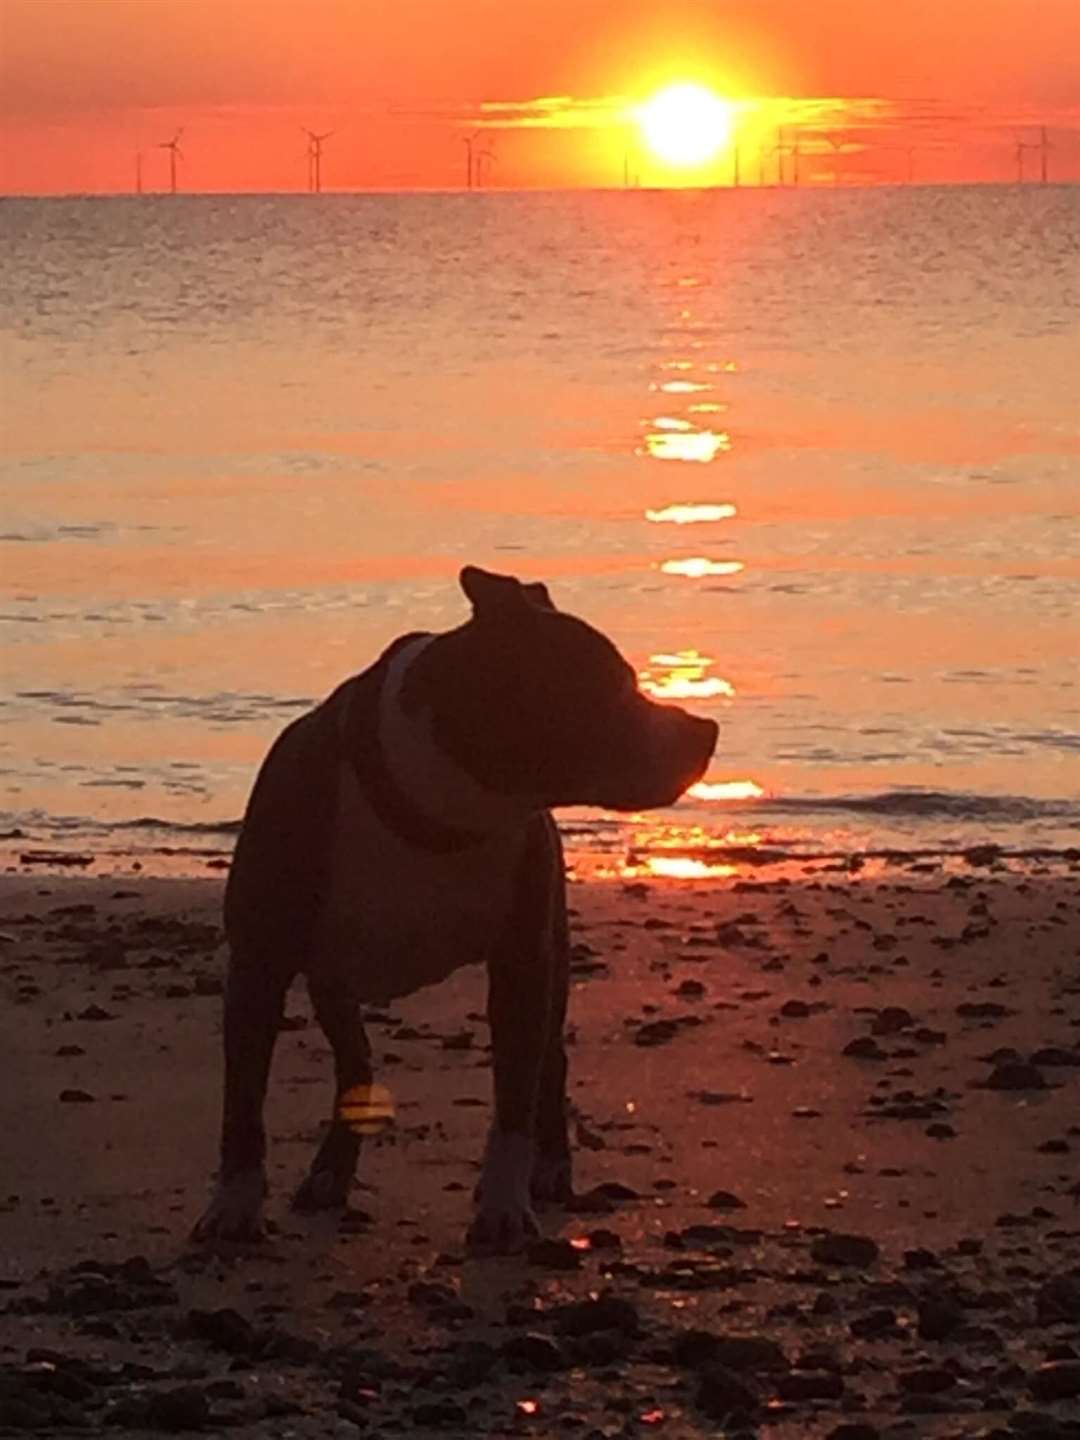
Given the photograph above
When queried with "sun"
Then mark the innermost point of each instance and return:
(686, 124)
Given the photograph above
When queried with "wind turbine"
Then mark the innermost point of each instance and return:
(175, 153)
(484, 160)
(1044, 147)
(474, 160)
(314, 157)
(781, 149)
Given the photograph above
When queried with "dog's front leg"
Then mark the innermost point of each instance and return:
(518, 1000)
(520, 975)
(552, 1177)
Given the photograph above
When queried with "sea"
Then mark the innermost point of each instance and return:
(811, 458)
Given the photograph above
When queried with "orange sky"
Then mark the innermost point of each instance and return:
(85, 83)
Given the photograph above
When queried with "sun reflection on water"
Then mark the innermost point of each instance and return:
(698, 446)
(691, 513)
(696, 567)
(683, 675)
(726, 790)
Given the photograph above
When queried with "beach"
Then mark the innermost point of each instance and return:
(827, 1173)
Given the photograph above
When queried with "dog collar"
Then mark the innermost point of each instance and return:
(372, 716)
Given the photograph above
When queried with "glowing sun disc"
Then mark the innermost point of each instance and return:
(686, 124)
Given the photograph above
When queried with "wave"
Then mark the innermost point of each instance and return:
(927, 804)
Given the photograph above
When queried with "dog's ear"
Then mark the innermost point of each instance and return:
(537, 592)
(502, 596)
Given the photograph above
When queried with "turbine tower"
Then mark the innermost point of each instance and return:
(175, 153)
(314, 159)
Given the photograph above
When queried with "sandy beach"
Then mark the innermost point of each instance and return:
(827, 1174)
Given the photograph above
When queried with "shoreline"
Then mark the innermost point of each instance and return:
(890, 1055)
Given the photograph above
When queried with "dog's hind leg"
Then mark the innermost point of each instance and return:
(254, 1004)
(337, 1010)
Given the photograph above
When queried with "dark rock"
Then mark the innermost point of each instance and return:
(725, 1200)
(601, 1239)
(926, 1380)
(1057, 1380)
(77, 1097)
(94, 1012)
(938, 1318)
(795, 1010)
(656, 1032)
(439, 1415)
(224, 1329)
(472, 1363)
(810, 1385)
(93, 1286)
(982, 1010)
(533, 1351)
(865, 1047)
(854, 1430)
(921, 1259)
(1016, 1075)
(185, 1408)
(720, 1394)
(602, 1347)
(892, 1020)
(434, 1293)
(695, 1349)
(554, 1255)
(586, 1317)
(874, 1325)
(1058, 1299)
(857, 1250)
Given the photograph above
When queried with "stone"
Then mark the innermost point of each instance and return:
(926, 1380)
(864, 1047)
(939, 1318)
(1058, 1298)
(1056, 1380)
(185, 1408)
(554, 1255)
(892, 1020)
(839, 1249)
(439, 1415)
(606, 1312)
(1016, 1075)
(810, 1385)
(533, 1351)
(725, 1200)
(720, 1394)
(224, 1329)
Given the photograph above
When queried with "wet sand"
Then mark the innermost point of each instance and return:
(828, 1168)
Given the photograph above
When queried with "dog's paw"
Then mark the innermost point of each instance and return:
(504, 1219)
(235, 1211)
(501, 1230)
(552, 1179)
(323, 1190)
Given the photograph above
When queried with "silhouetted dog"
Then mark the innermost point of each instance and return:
(403, 829)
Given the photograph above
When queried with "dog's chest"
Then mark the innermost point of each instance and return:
(398, 917)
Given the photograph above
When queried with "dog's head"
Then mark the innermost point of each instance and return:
(535, 703)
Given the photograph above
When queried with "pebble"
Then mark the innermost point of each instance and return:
(810, 1385)
(725, 1200)
(1016, 1075)
(1057, 1380)
(865, 1047)
(721, 1393)
(533, 1351)
(838, 1249)
(185, 1408)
